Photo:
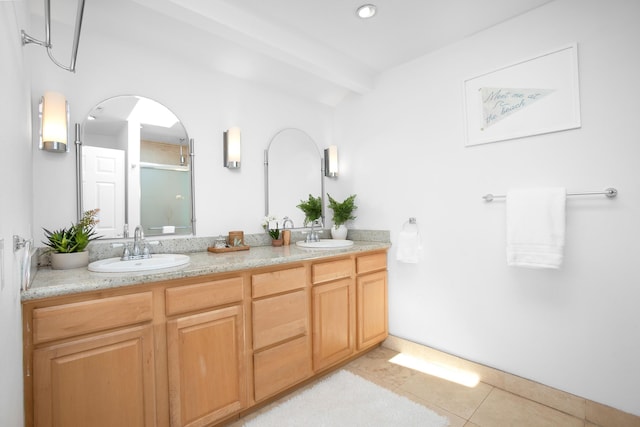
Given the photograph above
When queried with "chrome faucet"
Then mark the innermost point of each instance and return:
(140, 249)
(138, 237)
(312, 236)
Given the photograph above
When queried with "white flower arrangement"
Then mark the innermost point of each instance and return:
(268, 222)
(271, 225)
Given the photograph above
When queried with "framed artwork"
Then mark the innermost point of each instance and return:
(531, 97)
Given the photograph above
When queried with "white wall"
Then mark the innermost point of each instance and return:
(15, 208)
(575, 329)
(207, 102)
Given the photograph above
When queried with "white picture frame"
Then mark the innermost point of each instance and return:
(530, 97)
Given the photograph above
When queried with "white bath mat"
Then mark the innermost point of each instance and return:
(345, 399)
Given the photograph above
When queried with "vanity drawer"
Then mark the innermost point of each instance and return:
(279, 367)
(67, 320)
(278, 318)
(183, 299)
(374, 262)
(327, 271)
(275, 282)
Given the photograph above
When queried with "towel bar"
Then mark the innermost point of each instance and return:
(609, 192)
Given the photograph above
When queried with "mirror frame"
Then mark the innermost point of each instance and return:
(79, 193)
(266, 174)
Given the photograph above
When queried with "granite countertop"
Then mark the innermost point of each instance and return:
(51, 283)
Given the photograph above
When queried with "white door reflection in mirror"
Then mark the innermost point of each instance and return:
(103, 188)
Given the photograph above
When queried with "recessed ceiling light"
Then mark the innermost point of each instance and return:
(366, 11)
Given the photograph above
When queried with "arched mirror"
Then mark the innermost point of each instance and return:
(293, 170)
(136, 166)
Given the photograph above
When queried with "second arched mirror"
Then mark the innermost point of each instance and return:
(137, 168)
(293, 170)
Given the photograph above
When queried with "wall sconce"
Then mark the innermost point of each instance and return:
(232, 148)
(54, 122)
(331, 162)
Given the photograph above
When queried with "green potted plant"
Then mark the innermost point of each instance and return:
(342, 212)
(312, 209)
(68, 245)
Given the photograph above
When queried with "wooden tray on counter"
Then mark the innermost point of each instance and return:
(228, 249)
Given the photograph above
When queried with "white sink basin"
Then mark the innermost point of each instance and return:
(326, 244)
(156, 262)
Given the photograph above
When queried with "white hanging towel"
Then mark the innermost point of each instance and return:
(536, 227)
(409, 244)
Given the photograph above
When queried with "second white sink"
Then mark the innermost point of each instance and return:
(326, 244)
(156, 262)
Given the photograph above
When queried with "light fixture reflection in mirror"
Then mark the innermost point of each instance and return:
(137, 168)
(331, 162)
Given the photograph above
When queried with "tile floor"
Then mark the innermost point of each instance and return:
(481, 406)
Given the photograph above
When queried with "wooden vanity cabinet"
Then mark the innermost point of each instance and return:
(371, 291)
(334, 314)
(349, 307)
(205, 351)
(198, 351)
(280, 330)
(93, 363)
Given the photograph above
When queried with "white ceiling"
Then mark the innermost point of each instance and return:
(401, 31)
(319, 50)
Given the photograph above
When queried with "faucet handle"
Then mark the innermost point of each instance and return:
(126, 254)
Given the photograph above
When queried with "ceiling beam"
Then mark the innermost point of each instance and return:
(222, 19)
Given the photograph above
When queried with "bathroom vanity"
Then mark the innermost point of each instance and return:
(200, 345)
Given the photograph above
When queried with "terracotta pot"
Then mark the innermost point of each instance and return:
(65, 261)
(340, 232)
(276, 242)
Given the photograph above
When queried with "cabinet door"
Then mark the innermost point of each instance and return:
(333, 322)
(206, 366)
(105, 380)
(372, 309)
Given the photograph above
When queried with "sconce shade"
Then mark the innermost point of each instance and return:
(54, 122)
(232, 148)
(331, 162)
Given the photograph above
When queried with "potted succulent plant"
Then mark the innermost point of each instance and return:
(68, 245)
(312, 208)
(342, 212)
